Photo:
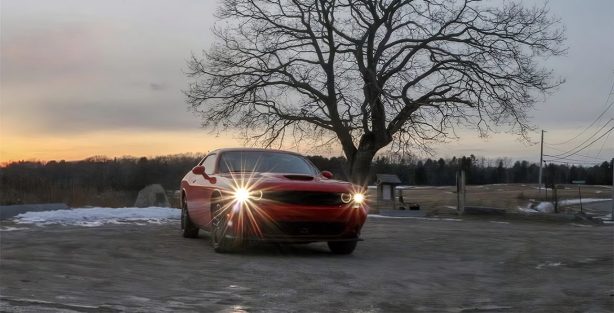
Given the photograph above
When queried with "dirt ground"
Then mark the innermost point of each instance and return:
(505, 196)
(404, 265)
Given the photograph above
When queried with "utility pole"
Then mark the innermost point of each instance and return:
(612, 216)
(541, 164)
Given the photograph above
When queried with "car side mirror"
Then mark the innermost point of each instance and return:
(327, 174)
(198, 170)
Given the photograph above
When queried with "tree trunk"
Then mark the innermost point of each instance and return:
(359, 159)
(359, 166)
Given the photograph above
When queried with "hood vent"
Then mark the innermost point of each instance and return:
(299, 177)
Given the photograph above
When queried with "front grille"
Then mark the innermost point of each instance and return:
(315, 198)
(304, 228)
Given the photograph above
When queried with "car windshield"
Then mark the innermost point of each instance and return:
(261, 161)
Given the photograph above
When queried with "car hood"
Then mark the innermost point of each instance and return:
(289, 181)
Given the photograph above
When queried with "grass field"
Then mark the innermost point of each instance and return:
(504, 196)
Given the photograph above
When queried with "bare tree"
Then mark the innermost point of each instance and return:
(372, 73)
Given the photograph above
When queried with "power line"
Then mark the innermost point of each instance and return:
(596, 119)
(592, 142)
(587, 139)
(580, 155)
(602, 145)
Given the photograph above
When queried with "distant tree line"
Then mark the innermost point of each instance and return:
(100, 180)
(478, 171)
(91, 181)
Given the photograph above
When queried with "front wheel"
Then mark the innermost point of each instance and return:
(220, 229)
(188, 229)
(342, 247)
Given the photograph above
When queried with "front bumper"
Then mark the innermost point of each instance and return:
(283, 223)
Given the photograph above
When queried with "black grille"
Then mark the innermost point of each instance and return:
(304, 228)
(315, 198)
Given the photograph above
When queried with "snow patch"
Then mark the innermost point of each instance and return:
(548, 264)
(606, 219)
(527, 210)
(580, 225)
(9, 228)
(584, 200)
(548, 207)
(542, 207)
(545, 207)
(542, 188)
(92, 217)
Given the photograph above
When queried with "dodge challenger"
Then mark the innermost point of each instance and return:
(241, 195)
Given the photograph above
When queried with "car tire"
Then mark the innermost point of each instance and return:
(342, 247)
(219, 228)
(188, 228)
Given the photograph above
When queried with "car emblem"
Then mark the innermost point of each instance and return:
(304, 230)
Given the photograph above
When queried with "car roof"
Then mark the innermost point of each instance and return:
(252, 150)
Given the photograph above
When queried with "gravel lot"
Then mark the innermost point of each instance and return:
(404, 265)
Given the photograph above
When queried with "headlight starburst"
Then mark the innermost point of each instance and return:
(241, 194)
(359, 198)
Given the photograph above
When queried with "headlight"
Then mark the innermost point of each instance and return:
(242, 195)
(358, 198)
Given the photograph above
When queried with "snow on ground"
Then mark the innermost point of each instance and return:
(542, 188)
(10, 228)
(545, 207)
(527, 210)
(96, 216)
(580, 225)
(542, 207)
(548, 207)
(548, 264)
(584, 200)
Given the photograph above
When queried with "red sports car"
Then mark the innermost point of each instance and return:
(240, 195)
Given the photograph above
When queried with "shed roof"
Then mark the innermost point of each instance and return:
(387, 179)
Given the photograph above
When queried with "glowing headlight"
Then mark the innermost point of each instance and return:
(359, 198)
(242, 195)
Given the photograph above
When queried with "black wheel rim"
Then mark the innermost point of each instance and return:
(218, 227)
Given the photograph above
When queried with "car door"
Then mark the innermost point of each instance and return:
(199, 194)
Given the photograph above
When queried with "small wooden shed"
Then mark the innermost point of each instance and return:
(386, 184)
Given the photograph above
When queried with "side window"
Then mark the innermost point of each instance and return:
(209, 164)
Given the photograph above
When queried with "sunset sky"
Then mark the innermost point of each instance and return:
(83, 78)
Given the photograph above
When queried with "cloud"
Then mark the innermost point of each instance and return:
(38, 55)
(83, 116)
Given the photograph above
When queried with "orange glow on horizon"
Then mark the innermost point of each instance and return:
(109, 144)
